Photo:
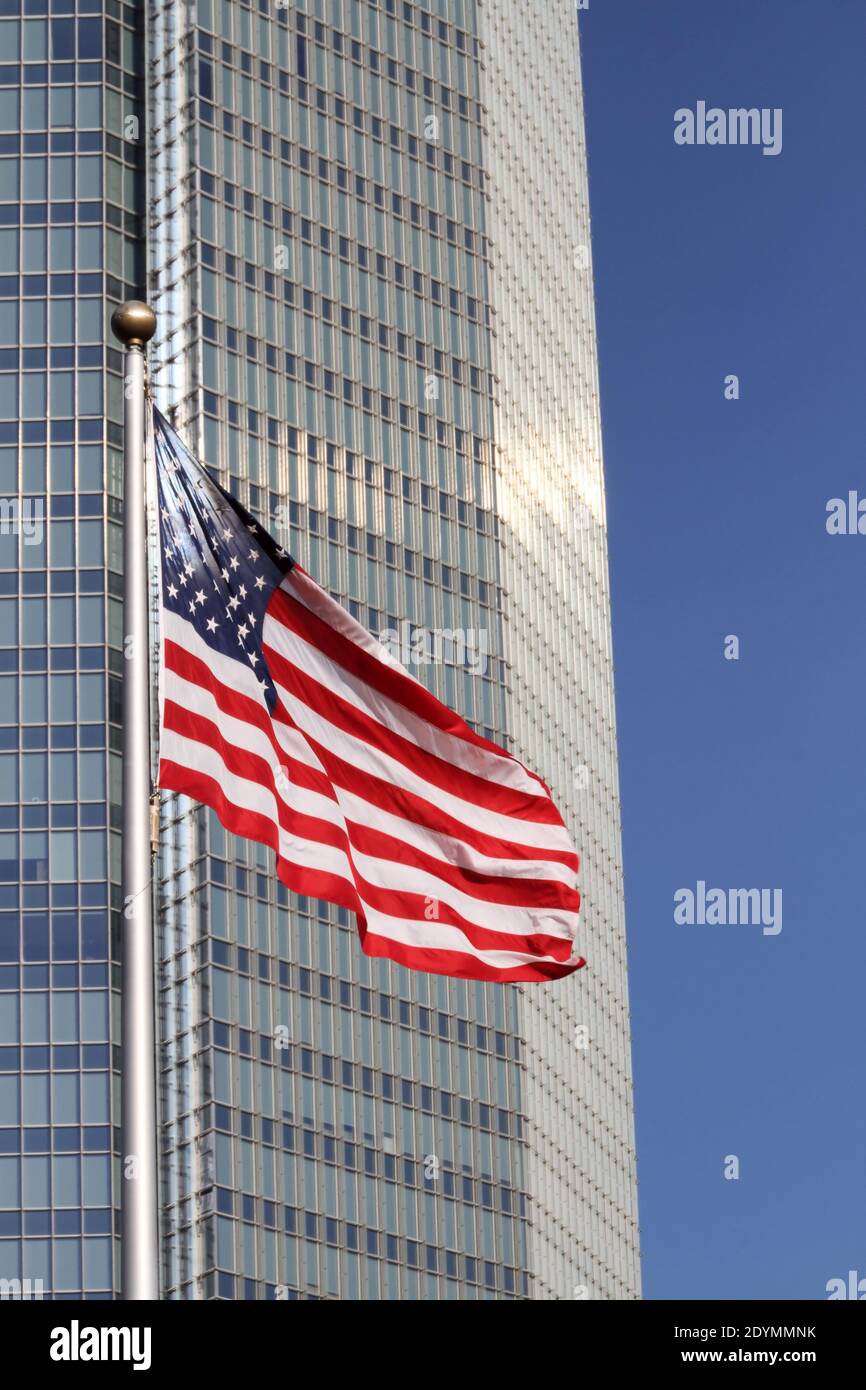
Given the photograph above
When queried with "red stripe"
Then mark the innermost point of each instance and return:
(488, 887)
(464, 967)
(394, 684)
(408, 805)
(253, 825)
(253, 768)
(233, 702)
(438, 771)
(175, 777)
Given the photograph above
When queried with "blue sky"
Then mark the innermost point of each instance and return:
(748, 773)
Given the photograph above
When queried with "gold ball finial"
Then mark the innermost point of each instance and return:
(134, 323)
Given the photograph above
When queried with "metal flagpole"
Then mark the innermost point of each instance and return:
(134, 324)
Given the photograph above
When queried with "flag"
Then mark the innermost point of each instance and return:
(281, 713)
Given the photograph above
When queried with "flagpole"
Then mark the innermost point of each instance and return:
(134, 324)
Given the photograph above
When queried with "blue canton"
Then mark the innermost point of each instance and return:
(219, 567)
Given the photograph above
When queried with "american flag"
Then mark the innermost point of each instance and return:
(302, 732)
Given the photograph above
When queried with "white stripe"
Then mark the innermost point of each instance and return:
(392, 876)
(313, 597)
(368, 758)
(433, 936)
(247, 795)
(248, 737)
(237, 675)
(493, 767)
(448, 849)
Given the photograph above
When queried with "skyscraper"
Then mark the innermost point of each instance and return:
(368, 250)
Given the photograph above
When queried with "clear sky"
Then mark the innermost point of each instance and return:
(749, 773)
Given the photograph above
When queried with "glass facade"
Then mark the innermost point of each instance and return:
(71, 246)
(375, 325)
(553, 568)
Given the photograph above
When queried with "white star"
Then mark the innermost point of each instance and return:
(242, 590)
(253, 658)
(172, 591)
(260, 581)
(242, 631)
(225, 575)
(192, 607)
(252, 619)
(234, 601)
(233, 562)
(253, 529)
(254, 555)
(211, 624)
(227, 535)
(188, 568)
(283, 554)
(199, 598)
(183, 577)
